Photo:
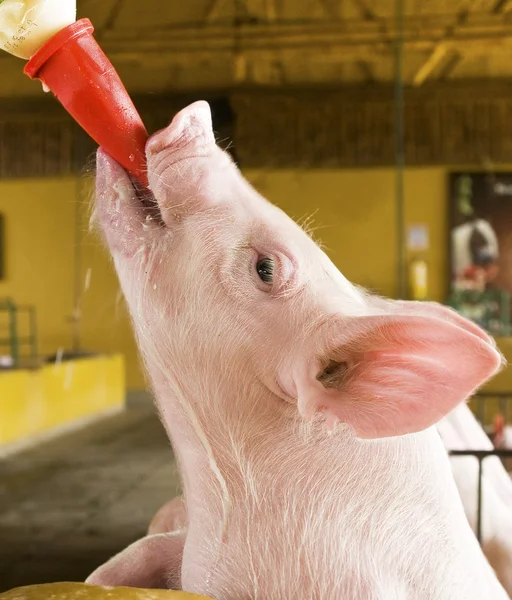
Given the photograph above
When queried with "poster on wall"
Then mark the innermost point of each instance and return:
(480, 224)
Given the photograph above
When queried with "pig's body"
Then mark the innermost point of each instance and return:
(258, 348)
(461, 431)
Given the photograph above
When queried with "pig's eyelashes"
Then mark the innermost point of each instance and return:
(265, 270)
(271, 272)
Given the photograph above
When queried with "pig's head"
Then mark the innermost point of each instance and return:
(226, 293)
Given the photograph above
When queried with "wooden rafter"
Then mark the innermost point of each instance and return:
(324, 36)
(437, 55)
(501, 6)
(449, 66)
(212, 10)
(441, 52)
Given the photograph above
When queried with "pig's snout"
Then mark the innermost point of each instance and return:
(189, 130)
(185, 164)
(174, 155)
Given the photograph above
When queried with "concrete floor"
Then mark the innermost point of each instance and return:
(68, 505)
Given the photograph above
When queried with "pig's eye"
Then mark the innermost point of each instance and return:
(265, 269)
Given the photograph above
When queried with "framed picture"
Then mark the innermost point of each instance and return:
(480, 241)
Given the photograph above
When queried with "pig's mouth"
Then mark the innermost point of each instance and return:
(149, 204)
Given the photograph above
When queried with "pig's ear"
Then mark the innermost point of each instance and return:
(430, 309)
(191, 127)
(393, 375)
(153, 562)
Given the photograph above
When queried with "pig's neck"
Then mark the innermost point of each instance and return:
(252, 473)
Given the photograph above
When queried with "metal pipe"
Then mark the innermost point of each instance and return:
(13, 331)
(399, 149)
(479, 505)
(33, 330)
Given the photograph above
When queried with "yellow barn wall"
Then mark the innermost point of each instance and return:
(39, 216)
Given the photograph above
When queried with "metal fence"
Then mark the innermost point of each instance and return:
(486, 405)
(18, 344)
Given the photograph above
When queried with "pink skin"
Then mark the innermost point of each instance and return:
(459, 430)
(153, 562)
(301, 409)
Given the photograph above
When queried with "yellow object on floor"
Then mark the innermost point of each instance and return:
(82, 591)
(55, 396)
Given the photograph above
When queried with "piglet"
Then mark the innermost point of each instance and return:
(301, 409)
(461, 431)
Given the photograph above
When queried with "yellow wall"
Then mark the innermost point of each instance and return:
(39, 252)
(353, 209)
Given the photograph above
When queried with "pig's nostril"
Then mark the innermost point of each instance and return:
(332, 375)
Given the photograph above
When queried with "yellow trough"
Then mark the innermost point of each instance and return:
(81, 591)
(39, 402)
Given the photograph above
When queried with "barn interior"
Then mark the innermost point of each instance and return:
(384, 126)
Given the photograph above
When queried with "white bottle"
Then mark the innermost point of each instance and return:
(26, 25)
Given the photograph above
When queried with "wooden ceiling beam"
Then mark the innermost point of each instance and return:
(449, 65)
(434, 27)
(160, 58)
(501, 6)
(441, 52)
(349, 44)
(437, 56)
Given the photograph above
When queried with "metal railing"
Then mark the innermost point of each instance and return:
(484, 402)
(14, 341)
(481, 455)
